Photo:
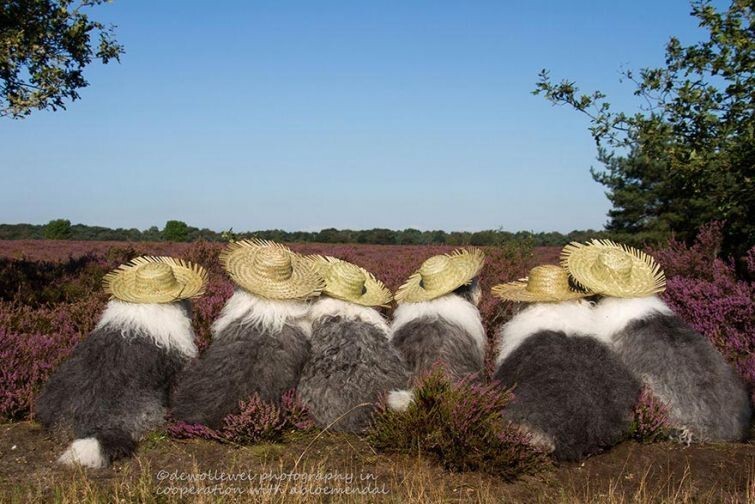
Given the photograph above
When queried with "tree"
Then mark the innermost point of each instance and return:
(44, 47)
(58, 229)
(176, 231)
(687, 156)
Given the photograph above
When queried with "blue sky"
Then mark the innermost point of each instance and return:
(351, 114)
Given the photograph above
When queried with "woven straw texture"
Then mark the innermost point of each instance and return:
(271, 270)
(440, 275)
(544, 284)
(349, 282)
(613, 269)
(150, 279)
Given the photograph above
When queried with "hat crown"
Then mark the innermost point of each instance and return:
(615, 263)
(548, 279)
(346, 278)
(273, 263)
(432, 271)
(155, 275)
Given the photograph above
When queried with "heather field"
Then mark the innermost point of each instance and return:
(50, 298)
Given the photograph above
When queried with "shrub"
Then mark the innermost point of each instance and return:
(256, 421)
(459, 424)
(651, 422)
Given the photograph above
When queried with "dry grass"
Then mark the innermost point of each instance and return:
(631, 473)
(412, 481)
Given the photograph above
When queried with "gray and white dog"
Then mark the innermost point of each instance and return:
(352, 362)
(447, 329)
(705, 396)
(259, 346)
(114, 387)
(571, 392)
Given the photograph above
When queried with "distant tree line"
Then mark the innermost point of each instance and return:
(178, 231)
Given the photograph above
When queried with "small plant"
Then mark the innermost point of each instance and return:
(651, 422)
(256, 421)
(461, 425)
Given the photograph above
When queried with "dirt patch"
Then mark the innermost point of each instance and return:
(642, 472)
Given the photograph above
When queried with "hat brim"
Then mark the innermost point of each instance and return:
(122, 284)
(517, 291)
(646, 276)
(375, 292)
(305, 282)
(467, 264)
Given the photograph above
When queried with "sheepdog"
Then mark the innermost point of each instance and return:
(705, 396)
(259, 346)
(351, 365)
(447, 329)
(571, 392)
(114, 387)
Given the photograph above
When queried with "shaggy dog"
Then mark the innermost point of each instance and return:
(259, 346)
(447, 329)
(114, 386)
(571, 392)
(704, 394)
(352, 362)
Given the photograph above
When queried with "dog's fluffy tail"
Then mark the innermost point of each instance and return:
(100, 450)
(399, 400)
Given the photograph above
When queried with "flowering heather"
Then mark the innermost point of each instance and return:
(33, 342)
(705, 292)
(651, 422)
(256, 421)
(183, 430)
(461, 425)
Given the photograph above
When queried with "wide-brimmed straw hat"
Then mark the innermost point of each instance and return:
(270, 270)
(149, 279)
(544, 284)
(440, 275)
(349, 282)
(613, 269)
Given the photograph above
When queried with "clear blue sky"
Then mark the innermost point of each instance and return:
(351, 114)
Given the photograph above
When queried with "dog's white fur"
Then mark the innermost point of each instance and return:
(399, 400)
(613, 314)
(164, 323)
(451, 308)
(571, 317)
(331, 307)
(263, 314)
(85, 452)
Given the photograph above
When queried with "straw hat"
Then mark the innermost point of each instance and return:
(349, 282)
(149, 279)
(440, 275)
(613, 269)
(545, 284)
(270, 270)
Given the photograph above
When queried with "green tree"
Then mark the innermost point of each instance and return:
(58, 229)
(44, 47)
(687, 156)
(176, 231)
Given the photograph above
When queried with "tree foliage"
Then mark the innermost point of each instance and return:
(176, 231)
(44, 47)
(687, 156)
(58, 229)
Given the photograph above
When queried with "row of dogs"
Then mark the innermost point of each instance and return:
(577, 368)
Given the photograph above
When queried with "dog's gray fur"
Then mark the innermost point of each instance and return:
(351, 363)
(242, 360)
(570, 389)
(426, 341)
(114, 387)
(685, 371)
